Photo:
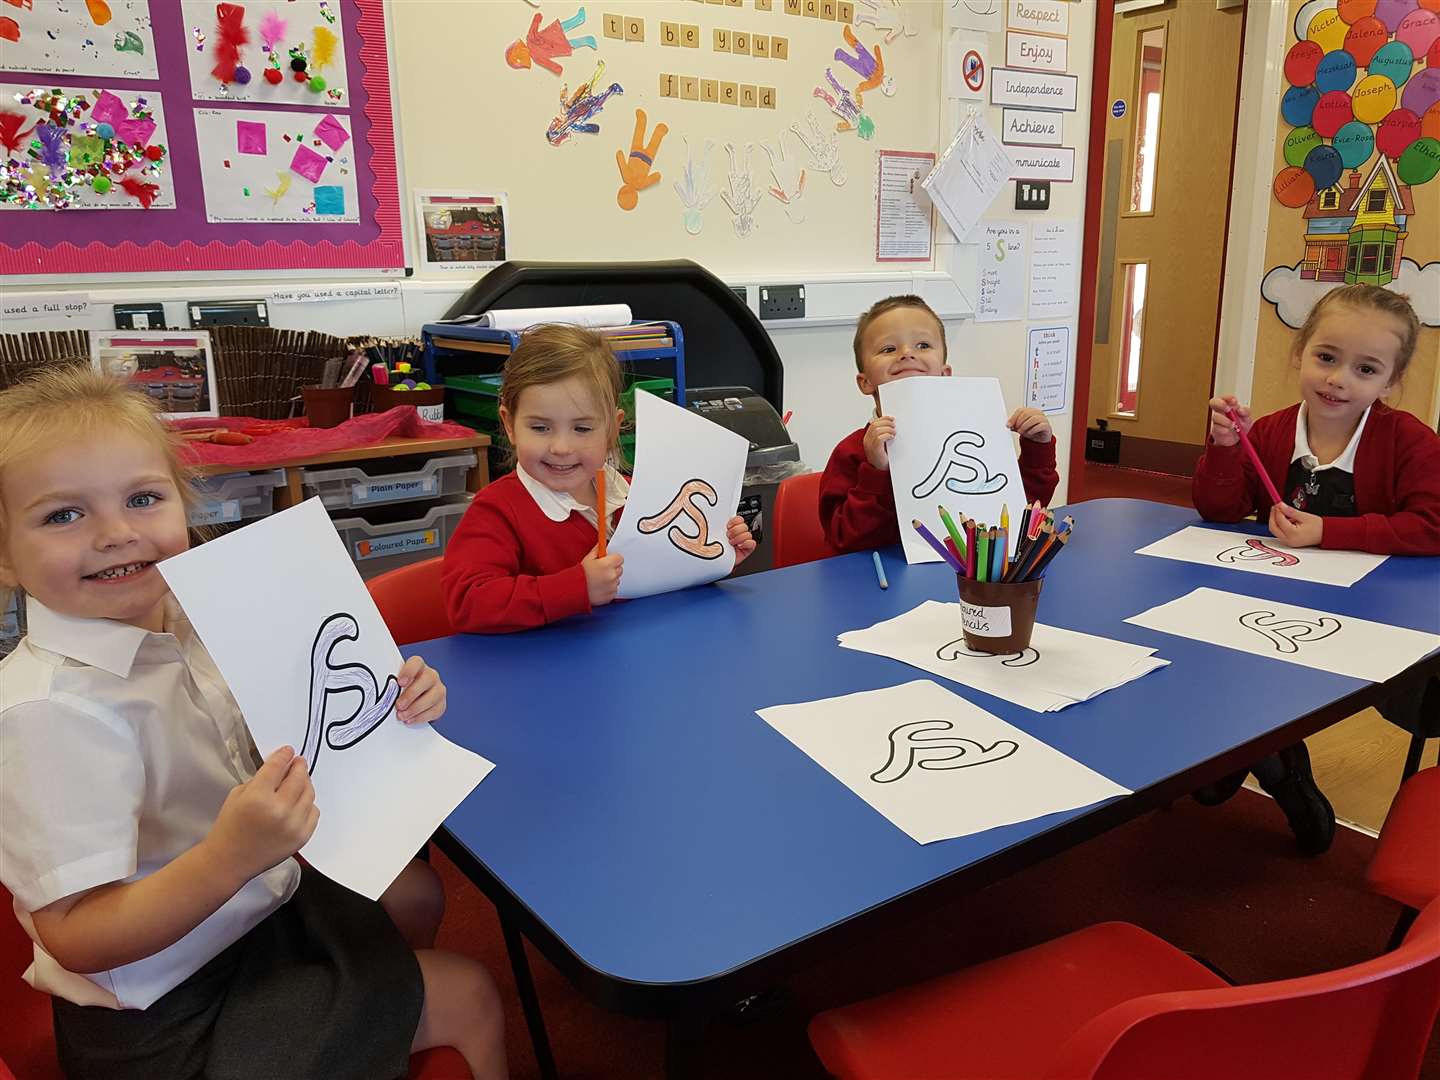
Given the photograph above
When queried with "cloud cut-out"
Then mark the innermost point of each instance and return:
(1294, 296)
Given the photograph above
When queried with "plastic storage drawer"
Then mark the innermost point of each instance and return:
(356, 488)
(377, 548)
(233, 497)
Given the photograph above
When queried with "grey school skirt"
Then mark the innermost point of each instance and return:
(324, 989)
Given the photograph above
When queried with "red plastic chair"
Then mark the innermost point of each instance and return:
(798, 535)
(1406, 863)
(1113, 1002)
(411, 603)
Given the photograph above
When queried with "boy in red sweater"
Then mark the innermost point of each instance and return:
(526, 552)
(898, 337)
(1355, 474)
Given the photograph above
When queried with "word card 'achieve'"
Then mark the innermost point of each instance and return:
(286, 618)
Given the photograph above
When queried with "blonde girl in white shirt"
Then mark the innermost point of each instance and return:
(151, 862)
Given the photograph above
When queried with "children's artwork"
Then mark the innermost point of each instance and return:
(935, 765)
(108, 39)
(68, 148)
(824, 148)
(686, 486)
(545, 46)
(789, 180)
(288, 621)
(868, 63)
(694, 187)
(281, 52)
(843, 104)
(951, 448)
(1060, 667)
(1297, 635)
(986, 15)
(742, 197)
(174, 368)
(578, 110)
(1263, 555)
(637, 171)
(891, 16)
(462, 230)
(273, 165)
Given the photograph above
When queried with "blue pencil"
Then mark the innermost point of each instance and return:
(880, 571)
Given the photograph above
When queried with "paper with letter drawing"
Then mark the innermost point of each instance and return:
(289, 623)
(986, 15)
(935, 765)
(951, 449)
(57, 38)
(1263, 555)
(968, 176)
(1297, 635)
(1060, 668)
(688, 474)
(277, 34)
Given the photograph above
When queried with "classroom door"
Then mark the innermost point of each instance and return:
(1167, 144)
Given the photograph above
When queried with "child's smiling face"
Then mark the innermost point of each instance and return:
(902, 342)
(1349, 362)
(86, 523)
(561, 434)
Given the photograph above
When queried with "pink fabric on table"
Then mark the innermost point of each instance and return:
(287, 443)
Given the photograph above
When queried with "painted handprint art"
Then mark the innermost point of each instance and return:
(328, 678)
(958, 472)
(1256, 550)
(1287, 634)
(696, 541)
(929, 744)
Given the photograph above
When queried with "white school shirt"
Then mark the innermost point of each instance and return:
(558, 505)
(1304, 455)
(117, 748)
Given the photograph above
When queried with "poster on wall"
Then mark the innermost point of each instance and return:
(1001, 271)
(99, 39)
(1362, 108)
(903, 215)
(175, 369)
(462, 230)
(84, 149)
(281, 53)
(277, 166)
(1047, 368)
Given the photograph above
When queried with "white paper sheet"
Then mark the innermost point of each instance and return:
(968, 176)
(1000, 271)
(1263, 555)
(986, 15)
(301, 19)
(935, 765)
(576, 314)
(57, 38)
(686, 486)
(902, 214)
(1297, 635)
(951, 449)
(268, 601)
(1060, 668)
(1054, 269)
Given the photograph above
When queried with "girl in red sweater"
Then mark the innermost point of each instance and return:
(526, 552)
(1355, 474)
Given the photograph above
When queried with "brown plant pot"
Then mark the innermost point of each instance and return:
(429, 403)
(999, 617)
(327, 407)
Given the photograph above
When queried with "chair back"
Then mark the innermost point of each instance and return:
(797, 534)
(27, 1034)
(411, 603)
(1369, 1021)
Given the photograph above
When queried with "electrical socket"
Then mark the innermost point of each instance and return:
(227, 313)
(742, 293)
(139, 316)
(782, 302)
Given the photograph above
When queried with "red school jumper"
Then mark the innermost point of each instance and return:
(509, 567)
(1397, 482)
(857, 503)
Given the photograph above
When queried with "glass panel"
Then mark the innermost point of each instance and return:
(1148, 83)
(1132, 330)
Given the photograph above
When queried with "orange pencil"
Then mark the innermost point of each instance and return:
(600, 512)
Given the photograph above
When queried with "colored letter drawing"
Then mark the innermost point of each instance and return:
(959, 472)
(683, 505)
(327, 678)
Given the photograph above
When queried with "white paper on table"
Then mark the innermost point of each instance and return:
(1263, 555)
(1298, 635)
(575, 315)
(968, 176)
(1060, 668)
(935, 765)
(265, 600)
(686, 486)
(951, 448)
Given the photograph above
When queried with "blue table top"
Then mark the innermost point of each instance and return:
(666, 834)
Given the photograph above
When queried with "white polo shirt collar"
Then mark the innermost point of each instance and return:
(559, 505)
(1304, 455)
(103, 643)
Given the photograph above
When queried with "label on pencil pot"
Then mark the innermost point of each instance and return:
(985, 621)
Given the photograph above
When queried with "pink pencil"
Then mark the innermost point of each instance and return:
(1254, 458)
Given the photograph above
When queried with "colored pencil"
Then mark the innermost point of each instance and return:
(1025, 516)
(949, 523)
(600, 511)
(950, 547)
(969, 527)
(1037, 549)
(940, 548)
(982, 556)
(996, 544)
(1004, 542)
(880, 571)
(1043, 563)
(1254, 457)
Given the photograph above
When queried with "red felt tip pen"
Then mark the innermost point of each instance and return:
(1254, 457)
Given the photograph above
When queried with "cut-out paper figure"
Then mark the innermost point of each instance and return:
(683, 505)
(547, 45)
(636, 172)
(892, 16)
(327, 678)
(842, 104)
(959, 472)
(580, 108)
(824, 149)
(694, 188)
(929, 744)
(742, 198)
(789, 186)
(870, 66)
(958, 650)
(1286, 634)
(1256, 550)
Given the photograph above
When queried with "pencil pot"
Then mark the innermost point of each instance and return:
(430, 404)
(327, 406)
(998, 616)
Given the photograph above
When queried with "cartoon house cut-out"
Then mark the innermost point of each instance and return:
(1356, 233)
